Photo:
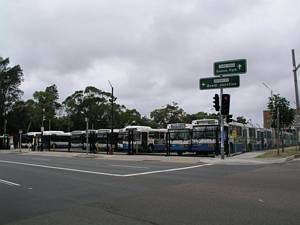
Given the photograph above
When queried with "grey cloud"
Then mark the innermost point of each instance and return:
(153, 51)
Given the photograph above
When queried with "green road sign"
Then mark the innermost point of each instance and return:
(219, 82)
(230, 67)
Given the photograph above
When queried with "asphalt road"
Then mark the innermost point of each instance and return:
(56, 190)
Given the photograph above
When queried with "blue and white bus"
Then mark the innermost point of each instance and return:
(144, 139)
(103, 139)
(56, 139)
(206, 137)
(180, 137)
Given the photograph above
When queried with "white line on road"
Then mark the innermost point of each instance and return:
(126, 166)
(102, 173)
(61, 168)
(9, 183)
(167, 170)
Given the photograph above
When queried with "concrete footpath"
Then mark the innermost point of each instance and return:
(241, 159)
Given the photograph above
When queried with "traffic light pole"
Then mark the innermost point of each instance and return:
(221, 125)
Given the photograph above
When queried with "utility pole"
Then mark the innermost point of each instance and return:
(112, 118)
(295, 68)
(20, 133)
(87, 134)
(5, 139)
(277, 130)
(42, 130)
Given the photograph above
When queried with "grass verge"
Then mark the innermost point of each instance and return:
(273, 153)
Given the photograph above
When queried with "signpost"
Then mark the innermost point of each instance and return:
(219, 82)
(224, 70)
(237, 66)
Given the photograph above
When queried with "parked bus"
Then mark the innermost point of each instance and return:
(180, 137)
(56, 139)
(157, 140)
(30, 139)
(78, 138)
(4, 142)
(205, 136)
(103, 139)
(144, 139)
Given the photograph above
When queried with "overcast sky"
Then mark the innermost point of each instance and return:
(154, 51)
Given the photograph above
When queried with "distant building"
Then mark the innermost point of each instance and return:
(267, 118)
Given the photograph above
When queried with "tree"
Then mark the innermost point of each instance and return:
(10, 80)
(280, 105)
(200, 115)
(92, 103)
(286, 114)
(168, 114)
(241, 119)
(47, 104)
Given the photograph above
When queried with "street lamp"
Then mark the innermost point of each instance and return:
(42, 130)
(295, 68)
(20, 133)
(112, 117)
(271, 95)
(87, 134)
(277, 111)
(268, 88)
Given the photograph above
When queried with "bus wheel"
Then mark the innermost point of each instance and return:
(151, 148)
(179, 153)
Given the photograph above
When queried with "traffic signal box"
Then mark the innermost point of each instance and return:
(225, 104)
(228, 118)
(216, 102)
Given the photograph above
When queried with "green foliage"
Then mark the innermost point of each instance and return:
(92, 103)
(44, 108)
(10, 80)
(168, 114)
(46, 102)
(286, 114)
(241, 119)
(199, 115)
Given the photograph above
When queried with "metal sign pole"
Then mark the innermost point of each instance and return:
(87, 135)
(221, 125)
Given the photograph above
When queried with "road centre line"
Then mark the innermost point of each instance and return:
(9, 183)
(103, 173)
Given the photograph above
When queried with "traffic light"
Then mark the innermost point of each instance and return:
(225, 104)
(216, 102)
(228, 118)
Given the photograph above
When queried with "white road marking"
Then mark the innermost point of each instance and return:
(60, 168)
(9, 183)
(102, 173)
(167, 170)
(126, 166)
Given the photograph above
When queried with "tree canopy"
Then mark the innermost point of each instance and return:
(45, 108)
(286, 114)
(10, 80)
